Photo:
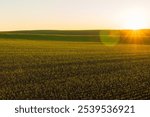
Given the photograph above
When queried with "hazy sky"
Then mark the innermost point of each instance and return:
(72, 14)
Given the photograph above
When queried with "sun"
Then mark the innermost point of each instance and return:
(135, 20)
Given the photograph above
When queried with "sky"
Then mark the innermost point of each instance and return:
(73, 14)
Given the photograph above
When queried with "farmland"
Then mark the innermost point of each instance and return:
(32, 68)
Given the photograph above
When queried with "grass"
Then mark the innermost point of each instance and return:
(42, 69)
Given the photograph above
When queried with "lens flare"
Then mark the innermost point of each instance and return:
(110, 38)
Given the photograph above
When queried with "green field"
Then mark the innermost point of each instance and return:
(54, 67)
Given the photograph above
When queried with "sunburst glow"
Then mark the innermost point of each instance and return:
(135, 36)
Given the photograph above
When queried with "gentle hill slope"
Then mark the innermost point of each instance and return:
(121, 36)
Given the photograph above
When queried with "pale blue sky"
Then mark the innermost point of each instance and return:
(73, 14)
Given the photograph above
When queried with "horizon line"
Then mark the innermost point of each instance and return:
(69, 30)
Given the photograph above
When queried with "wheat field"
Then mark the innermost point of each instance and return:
(42, 69)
